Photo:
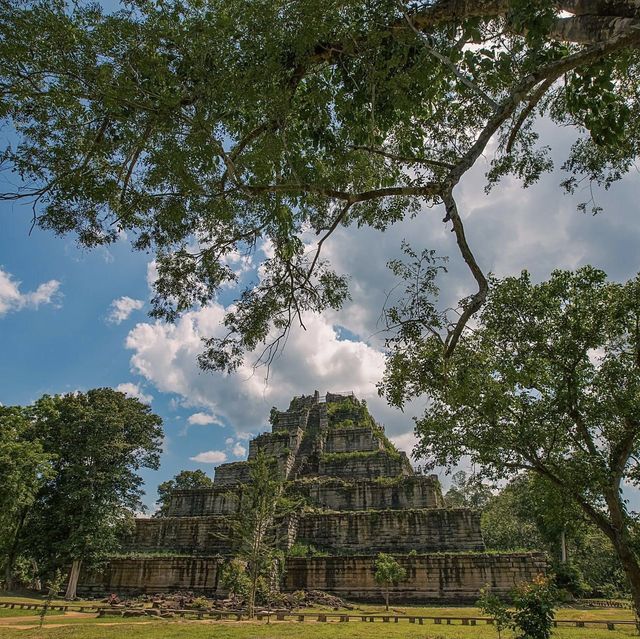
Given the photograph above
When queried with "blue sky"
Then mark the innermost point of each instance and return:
(56, 301)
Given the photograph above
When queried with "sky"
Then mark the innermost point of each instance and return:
(72, 319)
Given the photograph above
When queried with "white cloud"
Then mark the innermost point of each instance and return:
(239, 450)
(152, 274)
(203, 419)
(210, 457)
(121, 308)
(134, 390)
(165, 354)
(11, 299)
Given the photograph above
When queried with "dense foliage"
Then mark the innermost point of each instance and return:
(79, 485)
(205, 130)
(548, 382)
(530, 514)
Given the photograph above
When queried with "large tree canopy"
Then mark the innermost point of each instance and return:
(205, 128)
(547, 381)
(99, 441)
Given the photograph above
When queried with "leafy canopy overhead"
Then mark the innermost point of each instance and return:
(205, 129)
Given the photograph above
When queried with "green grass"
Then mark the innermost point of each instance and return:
(8, 612)
(89, 627)
(280, 630)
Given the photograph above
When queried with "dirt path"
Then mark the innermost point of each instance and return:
(19, 622)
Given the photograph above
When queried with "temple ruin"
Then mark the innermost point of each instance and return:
(362, 497)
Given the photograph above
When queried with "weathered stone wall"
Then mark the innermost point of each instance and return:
(431, 578)
(195, 535)
(152, 575)
(370, 531)
(366, 466)
(418, 491)
(218, 500)
(440, 578)
(232, 473)
(291, 421)
(277, 444)
(348, 440)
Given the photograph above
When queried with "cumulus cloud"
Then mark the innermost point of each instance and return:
(239, 450)
(134, 390)
(12, 299)
(210, 457)
(121, 308)
(165, 355)
(203, 419)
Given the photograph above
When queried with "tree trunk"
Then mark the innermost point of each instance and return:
(251, 604)
(563, 547)
(74, 574)
(12, 555)
(619, 536)
(631, 569)
(386, 598)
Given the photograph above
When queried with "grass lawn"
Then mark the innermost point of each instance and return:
(88, 627)
(286, 630)
(8, 612)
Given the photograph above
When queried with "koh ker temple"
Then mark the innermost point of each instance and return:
(362, 497)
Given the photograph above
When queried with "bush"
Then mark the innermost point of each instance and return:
(235, 578)
(305, 550)
(569, 578)
(492, 606)
(534, 608)
(200, 603)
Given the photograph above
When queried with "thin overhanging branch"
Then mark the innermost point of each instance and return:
(477, 300)
(334, 225)
(404, 159)
(535, 98)
(448, 63)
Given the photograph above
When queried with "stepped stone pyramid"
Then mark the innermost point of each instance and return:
(362, 497)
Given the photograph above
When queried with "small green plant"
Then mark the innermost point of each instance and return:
(534, 603)
(300, 549)
(235, 578)
(413, 553)
(492, 606)
(388, 573)
(200, 603)
(53, 588)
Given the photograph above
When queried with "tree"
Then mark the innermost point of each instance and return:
(98, 440)
(388, 573)
(533, 500)
(467, 491)
(530, 513)
(254, 533)
(184, 480)
(211, 128)
(548, 382)
(24, 467)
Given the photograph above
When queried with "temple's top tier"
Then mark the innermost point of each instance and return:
(331, 436)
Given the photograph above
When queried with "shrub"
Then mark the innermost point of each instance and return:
(534, 608)
(492, 606)
(200, 603)
(235, 578)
